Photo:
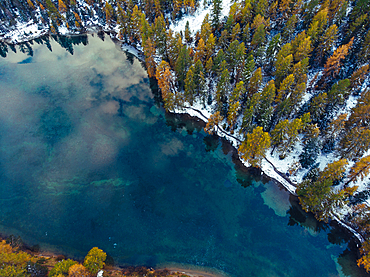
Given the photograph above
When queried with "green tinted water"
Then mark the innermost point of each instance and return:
(88, 159)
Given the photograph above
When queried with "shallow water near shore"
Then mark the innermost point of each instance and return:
(88, 159)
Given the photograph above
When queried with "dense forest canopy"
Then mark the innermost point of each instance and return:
(280, 75)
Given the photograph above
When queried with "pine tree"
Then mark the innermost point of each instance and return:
(259, 37)
(160, 36)
(205, 29)
(311, 146)
(149, 52)
(254, 147)
(250, 111)
(338, 93)
(332, 65)
(273, 48)
(182, 66)
(285, 89)
(188, 37)
(255, 82)
(209, 66)
(365, 48)
(326, 43)
(232, 114)
(216, 13)
(235, 33)
(166, 85)
(200, 53)
(231, 58)
(354, 143)
(222, 90)
(285, 135)
(135, 24)
(210, 46)
(301, 47)
(318, 24)
(360, 170)
(289, 28)
(300, 71)
(365, 259)
(360, 116)
(265, 110)
(248, 69)
(317, 106)
(190, 86)
(358, 77)
(213, 123)
(334, 171)
(284, 62)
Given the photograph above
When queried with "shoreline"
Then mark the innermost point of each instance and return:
(284, 180)
(279, 178)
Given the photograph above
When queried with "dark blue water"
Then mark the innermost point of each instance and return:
(87, 159)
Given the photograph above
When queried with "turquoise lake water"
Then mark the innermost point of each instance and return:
(88, 159)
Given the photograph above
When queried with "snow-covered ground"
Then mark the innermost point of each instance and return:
(196, 19)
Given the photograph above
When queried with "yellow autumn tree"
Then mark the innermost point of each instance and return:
(254, 147)
(365, 259)
(78, 270)
(166, 85)
(213, 122)
(332, 65)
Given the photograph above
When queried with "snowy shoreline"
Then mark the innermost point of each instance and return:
(267, 167)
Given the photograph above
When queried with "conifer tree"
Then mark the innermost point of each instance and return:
(210, 46)
(354, 143)
(200, 53)
(135, 24)
(265, 110)
(216, 13)
(326, 42)
(160, 36)
(190, 86)
(301, 47)
(149, 52)
(284, 63)
(166, 85)
(285, 135)
(254, 147)
(311, 146)
(61, 6)
(289, 28)
(365, 48)
(332, 65)
(182, 65)
(188, 37)
(285, 89)
(338, 93)
(251, 107)
(318, 24)
(255, 82)
(360, 116)
(248, 69)
(300, 70)
(222, 90)
(359, 76)
(213, 123)
(334, 171)
(273, 48)
(360, 170)
(235, 33)
(317, 106)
